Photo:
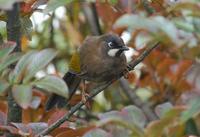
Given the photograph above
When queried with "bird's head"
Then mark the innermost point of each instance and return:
(113, 44)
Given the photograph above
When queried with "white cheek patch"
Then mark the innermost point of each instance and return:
(112, 52)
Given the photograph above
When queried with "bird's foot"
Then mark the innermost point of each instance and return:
(126, 72)
(84, 99)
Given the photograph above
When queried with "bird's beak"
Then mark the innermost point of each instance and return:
(124, 48)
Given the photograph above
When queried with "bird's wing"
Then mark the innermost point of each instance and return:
(74, 65)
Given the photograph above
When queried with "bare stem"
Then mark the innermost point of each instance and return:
(134, 99)
(13, 33)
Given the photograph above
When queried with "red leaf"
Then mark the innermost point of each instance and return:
(2, 118)
(75, 133)
(10, 129)
(57, 115)
(107, 13)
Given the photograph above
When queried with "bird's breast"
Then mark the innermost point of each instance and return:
(101, 70)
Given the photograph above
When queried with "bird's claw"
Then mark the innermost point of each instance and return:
(84, 99)
(126, 72)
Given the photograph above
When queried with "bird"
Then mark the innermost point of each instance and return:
(100, 59)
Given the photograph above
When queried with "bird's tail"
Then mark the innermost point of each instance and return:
(72, 81)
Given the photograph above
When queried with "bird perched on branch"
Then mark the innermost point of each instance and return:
(99, 59)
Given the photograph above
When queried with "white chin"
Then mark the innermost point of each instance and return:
(112, 52)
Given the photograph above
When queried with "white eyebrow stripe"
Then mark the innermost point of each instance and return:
(112, 52)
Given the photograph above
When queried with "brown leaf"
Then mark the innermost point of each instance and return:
(57, 115)
(75, 133)
(2, 118)
(3, 106)
(107, 13)
(10, 129)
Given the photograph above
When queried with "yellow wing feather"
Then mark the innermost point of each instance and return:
(74, 64)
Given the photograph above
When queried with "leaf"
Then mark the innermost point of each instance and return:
(53, 4)
(97, 133)
(128, 118)
(56, 116)
(193, 110)
(37, 127)
(26, 26)
(24, 43)
(163, 108)
(6, 49)
(53, 84)
(134, 115)
(107, 13)
(4, 85)
(36, 101)
(170, 119)
(22, 94)
(38, 62)
(23, 130)
(7, 4)
(194, 7)
(191, 128)
(154, 25)
(31, 128)
(63, 132)
(2, 118)
(10, 59)
(113, 2)
(20, 68)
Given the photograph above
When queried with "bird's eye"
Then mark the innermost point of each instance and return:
(110, 44)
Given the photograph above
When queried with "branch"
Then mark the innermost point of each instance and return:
(136, 100)
(91, 15)
(13, 33)
(94, 92)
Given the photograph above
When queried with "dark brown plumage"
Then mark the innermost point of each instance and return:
(99, 59)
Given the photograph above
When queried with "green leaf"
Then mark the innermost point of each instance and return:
(5, 73)
(194, 109)
(181, 24)
(4, 85)
(154, 25)
(52, 84)
(113, 2)
(6, 49)
(161, 109)
(53, 4)
(97, 133)
(22, 95)
(132, 114)
(10, 59)
(20, 68)
(38, 62)
(26, 26)
(130, 117)
(191, 128)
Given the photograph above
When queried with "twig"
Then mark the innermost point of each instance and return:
(94, 92)
(91, 15)
(142, 56)
(136, 100)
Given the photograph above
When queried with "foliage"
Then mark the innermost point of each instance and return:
(167, 81)
(20, 79)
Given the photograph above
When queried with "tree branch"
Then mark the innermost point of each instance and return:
(89, 9)
(94, 92)
(13, 33)
(134, 99)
